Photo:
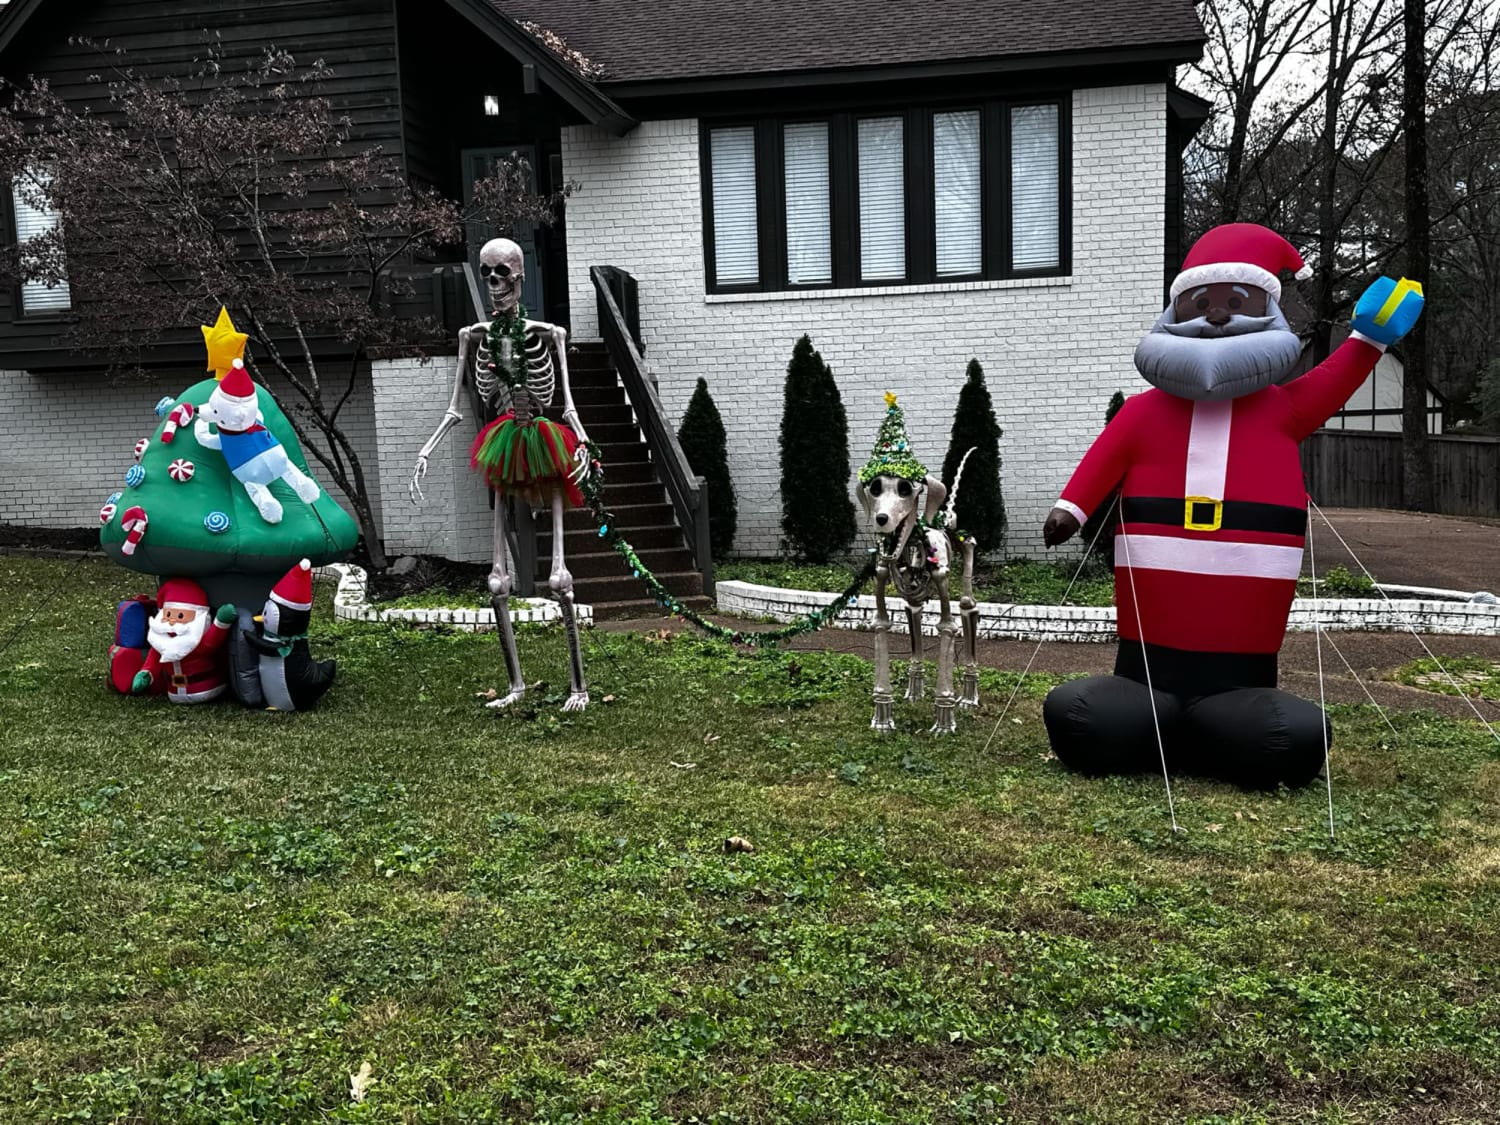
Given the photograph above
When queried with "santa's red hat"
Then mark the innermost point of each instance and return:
(295, 590)
(181, 593)
(1244, 252)
(236, 386)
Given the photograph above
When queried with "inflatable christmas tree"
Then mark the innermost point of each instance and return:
(198, 501)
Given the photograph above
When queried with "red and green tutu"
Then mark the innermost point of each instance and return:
(527, 459)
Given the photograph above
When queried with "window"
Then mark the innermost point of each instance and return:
(963, 192)
(736, 243)
(34, 218)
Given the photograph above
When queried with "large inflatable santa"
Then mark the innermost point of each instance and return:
(1213, 514)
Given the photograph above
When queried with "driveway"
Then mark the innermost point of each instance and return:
(1412, 549)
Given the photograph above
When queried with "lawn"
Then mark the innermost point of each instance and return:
(213, 915)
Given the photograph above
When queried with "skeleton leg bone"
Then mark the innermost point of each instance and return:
(944, 721)
(914, 668)
(969, 611)
(561, 583)
(882, 720)
(501, 583)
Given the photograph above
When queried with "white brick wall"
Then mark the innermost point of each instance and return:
(105, 417)
(1053, 351)
(454, 521)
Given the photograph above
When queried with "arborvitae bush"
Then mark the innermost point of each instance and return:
(706, 448)
(981, 508)
(1104, 521)
(817, 515)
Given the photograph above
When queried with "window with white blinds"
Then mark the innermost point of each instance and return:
(736, 231)
(34, 219)
(952, 193)
(958, 230)
(809, 242)
(1035, 235)
(882, 199)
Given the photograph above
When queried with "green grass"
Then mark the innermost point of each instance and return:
(214, 915)
(1456, 675)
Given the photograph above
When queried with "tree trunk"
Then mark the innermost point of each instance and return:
(1416, 463)
(1323, 311)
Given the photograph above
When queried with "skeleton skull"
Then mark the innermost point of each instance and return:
(502, 268)
(890, 502)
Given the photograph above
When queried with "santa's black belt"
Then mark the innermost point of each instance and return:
(1211, 515)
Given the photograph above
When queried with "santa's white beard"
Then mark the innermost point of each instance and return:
(1202, 362)
(176, 642)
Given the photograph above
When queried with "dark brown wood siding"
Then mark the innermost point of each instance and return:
(356, 38)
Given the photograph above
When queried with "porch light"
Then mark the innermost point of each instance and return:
(491, 105)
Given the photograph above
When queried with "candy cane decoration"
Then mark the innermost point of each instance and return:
(181, 415)
(134, 523)
(141, 447)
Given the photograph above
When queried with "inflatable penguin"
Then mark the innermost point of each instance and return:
(290, 679)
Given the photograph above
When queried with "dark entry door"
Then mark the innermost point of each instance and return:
(478, 163)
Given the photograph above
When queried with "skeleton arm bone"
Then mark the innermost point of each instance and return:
(451, 418)
(559, 337)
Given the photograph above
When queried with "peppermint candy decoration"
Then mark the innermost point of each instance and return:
(216, 523)
(134, 476)
(180, 470)
(107, 512)
(141, 447)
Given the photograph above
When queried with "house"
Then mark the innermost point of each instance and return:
(1377, 405)
(913, 184)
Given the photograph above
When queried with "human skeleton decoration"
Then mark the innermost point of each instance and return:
(516, 367)
(915, 549)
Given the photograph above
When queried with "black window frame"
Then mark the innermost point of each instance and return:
(996, 217)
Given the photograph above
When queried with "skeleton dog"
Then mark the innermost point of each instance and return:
(915, 549)
(516, 367)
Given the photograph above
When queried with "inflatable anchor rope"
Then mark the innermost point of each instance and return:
(1087, 554)
(1411, 628)
(1150, 691)
(39, 606)
(1312, 555)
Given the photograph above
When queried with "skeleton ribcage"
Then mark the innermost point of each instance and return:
(535, 395)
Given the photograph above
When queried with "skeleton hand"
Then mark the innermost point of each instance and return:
(582, 464)
(414, 489)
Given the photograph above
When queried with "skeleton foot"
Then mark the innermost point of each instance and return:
(944, 720)
(970, 696)
(506, 700)
(576, 701)
(883, 720)
(267, 505)
(913, 682)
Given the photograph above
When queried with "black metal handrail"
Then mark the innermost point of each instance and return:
(685, 488)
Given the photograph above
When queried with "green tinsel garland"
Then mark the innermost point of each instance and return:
(592, 487)
(515, 328)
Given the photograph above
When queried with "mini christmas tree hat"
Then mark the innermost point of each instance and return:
(892, 456)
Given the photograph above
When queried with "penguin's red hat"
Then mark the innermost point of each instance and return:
(295, 589)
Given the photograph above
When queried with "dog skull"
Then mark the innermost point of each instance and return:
(891, 503)
(502, 268)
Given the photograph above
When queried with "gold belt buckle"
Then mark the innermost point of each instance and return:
(179, 680)
(1190, 510)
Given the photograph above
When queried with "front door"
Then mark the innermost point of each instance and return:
(477, 164)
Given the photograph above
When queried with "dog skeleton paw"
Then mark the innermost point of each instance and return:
(577, 701)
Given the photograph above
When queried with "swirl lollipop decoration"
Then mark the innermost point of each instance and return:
(216, 523)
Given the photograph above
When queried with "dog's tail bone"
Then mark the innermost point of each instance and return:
(951, 507)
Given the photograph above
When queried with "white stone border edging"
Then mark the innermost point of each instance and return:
(350, 604)
(1097, 623)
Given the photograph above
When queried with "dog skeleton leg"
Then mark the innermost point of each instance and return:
(944, 721)
(969, 611)
(914, 667)
(882, 720)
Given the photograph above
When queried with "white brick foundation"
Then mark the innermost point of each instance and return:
(1097, 623)
(1054, 351)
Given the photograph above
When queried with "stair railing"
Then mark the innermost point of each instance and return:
(685, 488)
(520, 527)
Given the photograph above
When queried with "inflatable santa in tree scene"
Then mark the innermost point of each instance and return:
(1213, 519)
(219, 504)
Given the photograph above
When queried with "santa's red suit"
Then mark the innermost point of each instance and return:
(1213, 513)
(201, 675)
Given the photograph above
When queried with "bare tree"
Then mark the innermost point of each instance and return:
(242, 188)
(1416, 465)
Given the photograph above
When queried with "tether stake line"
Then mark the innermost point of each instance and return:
(1150, 691)
(36, 609)
(1027, 670)
(1411, 628)
(1368, 695)
(1312, 558)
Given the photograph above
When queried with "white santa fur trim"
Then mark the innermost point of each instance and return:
(1073, 510)
(1213, 273)
(183, 605)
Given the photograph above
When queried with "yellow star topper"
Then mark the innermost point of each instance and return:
(890, 400)
(224, 344)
